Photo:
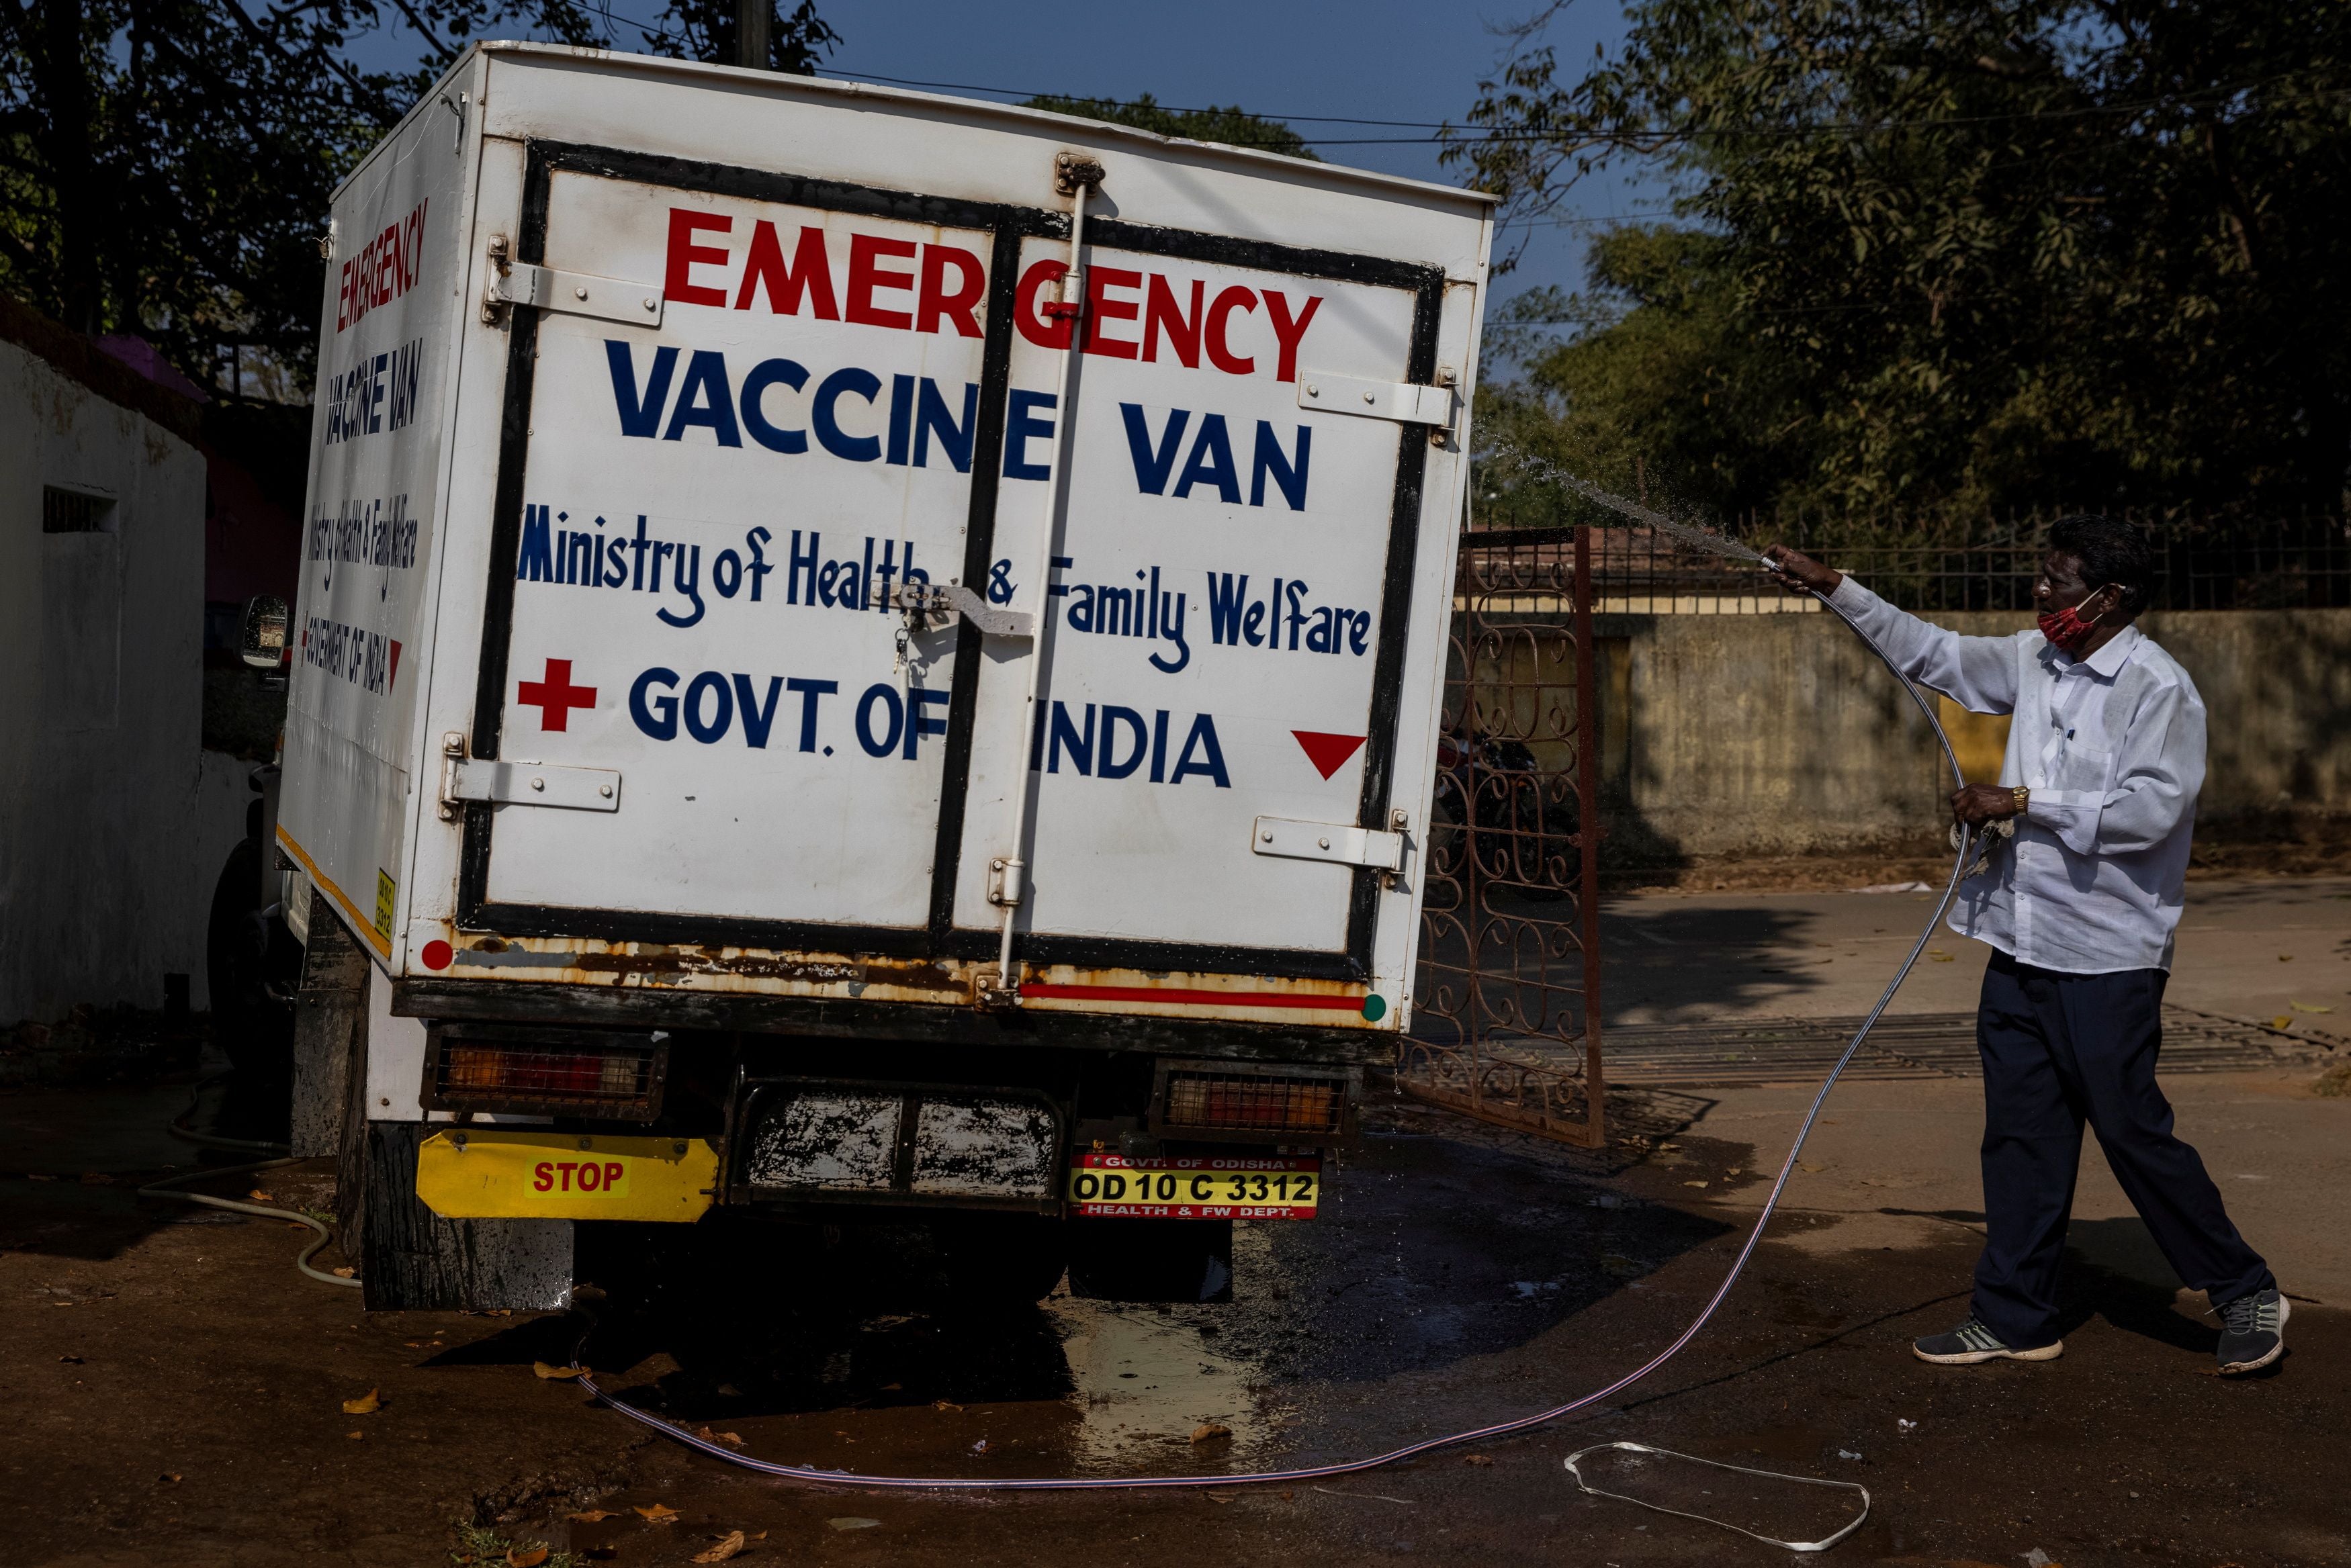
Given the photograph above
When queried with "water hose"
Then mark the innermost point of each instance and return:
(178, 1127)
(169, 1190)
(1959, 866)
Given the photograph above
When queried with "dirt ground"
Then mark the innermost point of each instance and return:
(176, 1390)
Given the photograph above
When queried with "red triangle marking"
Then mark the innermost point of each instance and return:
(394, 676)
(1329, 753)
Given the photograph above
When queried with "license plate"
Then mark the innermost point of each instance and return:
(479, 1174)
(1221, 1187)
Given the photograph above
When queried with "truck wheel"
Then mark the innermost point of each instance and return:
(1001, 1260)
(1152, 1260)
(251, 966)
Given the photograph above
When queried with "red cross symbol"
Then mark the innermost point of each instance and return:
(555, 696)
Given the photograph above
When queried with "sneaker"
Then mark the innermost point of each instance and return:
(2253, 1332)
(1971, 1342)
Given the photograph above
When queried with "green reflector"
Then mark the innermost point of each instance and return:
(1375, 1007)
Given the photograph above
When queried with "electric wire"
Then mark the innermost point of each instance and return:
(1702, 538)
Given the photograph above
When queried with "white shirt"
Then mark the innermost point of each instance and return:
(2112, 747)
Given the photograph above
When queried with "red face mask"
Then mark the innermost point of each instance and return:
(2065, 629)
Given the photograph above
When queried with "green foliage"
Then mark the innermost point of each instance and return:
(1951, 256)
(166, 165)
(1235, 127)
(707, 30)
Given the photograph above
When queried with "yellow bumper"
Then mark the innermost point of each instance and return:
(481, 1173)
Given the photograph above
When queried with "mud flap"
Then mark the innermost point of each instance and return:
(330, 1030)
(413, 1260)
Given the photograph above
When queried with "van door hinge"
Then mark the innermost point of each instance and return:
(520, 783)
(1330, 841)
(1408, 402)
(574, 292)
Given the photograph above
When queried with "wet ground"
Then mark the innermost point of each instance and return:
(176, 1390)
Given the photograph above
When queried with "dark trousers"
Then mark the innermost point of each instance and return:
(2060, 1050)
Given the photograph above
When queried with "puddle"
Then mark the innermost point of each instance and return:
(1143, 1382)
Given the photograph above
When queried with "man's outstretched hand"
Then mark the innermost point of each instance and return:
(1980, 804)
(1798, 572)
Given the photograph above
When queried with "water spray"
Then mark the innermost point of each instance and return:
(1701, 538)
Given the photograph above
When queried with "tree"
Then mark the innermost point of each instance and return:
(1953, 255)
(165, 165)
(1235, 127)
(707, 30)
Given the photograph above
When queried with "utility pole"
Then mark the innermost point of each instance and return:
(751, 22)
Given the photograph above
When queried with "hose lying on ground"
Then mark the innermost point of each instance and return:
(179, 1128)
(1960, 864)
(169, 1188)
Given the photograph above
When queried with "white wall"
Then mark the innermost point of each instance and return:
(113, 823)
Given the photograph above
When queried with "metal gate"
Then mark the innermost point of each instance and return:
(1506, 1023)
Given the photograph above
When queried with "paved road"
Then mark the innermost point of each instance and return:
(2248, 950)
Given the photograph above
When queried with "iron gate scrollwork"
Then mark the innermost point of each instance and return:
(1506, 1021)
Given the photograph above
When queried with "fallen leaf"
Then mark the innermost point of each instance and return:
(1209, 1431)
(1693, 1184)
(943, 1404)
(2283, 957)
(1480, 1460)
(172, 1476)
(886, 1388)
(2308, 1007)
(1940, 958)
(728, 1545)
(707, 1436)
(1807, 1165)
(355, 1434)
(258, 1196)
(657, 1513)
(545, 1370)
(529, 1556)
(345, 1273)
(591, 1516)
(850, 1522)
(2283, 1021)
(367, 1404)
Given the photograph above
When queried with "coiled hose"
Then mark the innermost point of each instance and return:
(1500, 1429)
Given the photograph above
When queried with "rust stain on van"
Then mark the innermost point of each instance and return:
(1065, 988)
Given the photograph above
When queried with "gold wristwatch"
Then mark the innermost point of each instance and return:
(2022, 796)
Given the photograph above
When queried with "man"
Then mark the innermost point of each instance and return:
(2105, 754)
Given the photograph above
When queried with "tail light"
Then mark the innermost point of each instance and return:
(1227, 1103)
(616, 1077)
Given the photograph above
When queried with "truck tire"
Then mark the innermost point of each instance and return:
(252, 964)
(1152, 1260)
(1001, 1260)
